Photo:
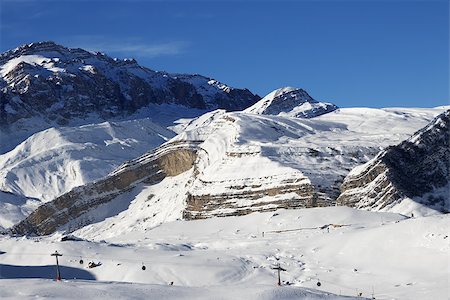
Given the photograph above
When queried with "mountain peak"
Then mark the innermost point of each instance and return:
(48, 80)
(292, 92)
(290, 101)
(31, 48)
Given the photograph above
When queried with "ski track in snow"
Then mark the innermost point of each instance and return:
(232, 258)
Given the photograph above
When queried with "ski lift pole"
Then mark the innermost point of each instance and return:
(279, 269)
(58, 273)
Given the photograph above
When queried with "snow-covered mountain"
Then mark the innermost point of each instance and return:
(52, 162)
(55, 160)
(290, 102)
(44, 85)
(412, 177)
(232, 164)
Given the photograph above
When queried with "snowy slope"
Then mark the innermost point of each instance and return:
(14, 208)
(54, 161)
(78, 289)
(290, 102)
(243, 163)
(381, 254)
(45, 85)
(163, 115)
(412, 177)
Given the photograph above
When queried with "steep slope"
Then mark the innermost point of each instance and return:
(243, 163)
(290, 102)
(14, 208)
(72, 209)
(53, 161)
(416, 170)
(43, 84)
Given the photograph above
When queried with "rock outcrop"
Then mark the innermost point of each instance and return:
(58, 83)
(416, 167)
(170, 159)
(241, 200)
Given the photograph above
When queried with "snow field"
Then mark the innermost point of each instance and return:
(54, 161)
(385, 253)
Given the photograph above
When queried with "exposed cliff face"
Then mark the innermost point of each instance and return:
(413, 169)
(56, 85)
(168, 160)
(290, 194)
(234, 176)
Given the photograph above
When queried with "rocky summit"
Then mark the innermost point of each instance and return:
(55, 83)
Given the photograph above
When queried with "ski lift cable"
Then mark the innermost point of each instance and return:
(102, 258)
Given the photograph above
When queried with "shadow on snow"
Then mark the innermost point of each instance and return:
(46, 272)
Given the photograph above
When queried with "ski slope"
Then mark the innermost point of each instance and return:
(77, 289)
(385, 255)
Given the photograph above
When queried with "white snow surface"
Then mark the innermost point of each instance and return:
(54, 161)
(14, 208)
(163, 115)
(383, 254)
(79, 289)
(35, 60)
(348, 251)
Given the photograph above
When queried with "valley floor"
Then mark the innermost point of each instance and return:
(349, 252)
(76, 289)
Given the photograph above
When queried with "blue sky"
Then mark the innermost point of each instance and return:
(352, 53)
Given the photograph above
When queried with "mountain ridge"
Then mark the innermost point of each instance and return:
(408, 171)
(45, 84)
(243, 163)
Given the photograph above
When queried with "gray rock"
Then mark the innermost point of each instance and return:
(415, 167)
(74, 83)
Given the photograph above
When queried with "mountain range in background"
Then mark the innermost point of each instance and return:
(45, 85)
(180, 146)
